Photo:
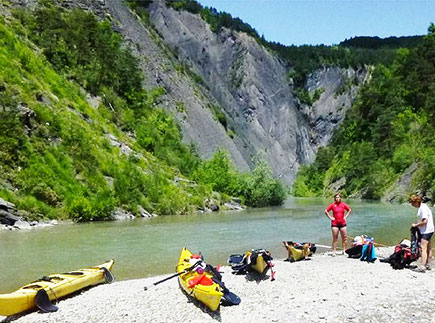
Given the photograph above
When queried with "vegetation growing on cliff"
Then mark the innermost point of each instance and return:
(63, 158)
(389, 128)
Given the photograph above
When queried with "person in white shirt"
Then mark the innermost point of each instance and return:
(426, 228)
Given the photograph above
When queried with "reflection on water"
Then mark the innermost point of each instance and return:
(146, 247)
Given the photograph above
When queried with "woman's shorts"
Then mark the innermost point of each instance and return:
(426, 236)
(338, 225)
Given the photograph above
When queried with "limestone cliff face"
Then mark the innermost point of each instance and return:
(200, 69)
(251, 86)
(187, 100)
(340, 89)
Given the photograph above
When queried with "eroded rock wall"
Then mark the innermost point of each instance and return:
(251, 85)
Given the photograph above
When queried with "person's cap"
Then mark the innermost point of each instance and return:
(357, 239)
(406, 243)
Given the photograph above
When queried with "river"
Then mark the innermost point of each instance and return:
(147, 247)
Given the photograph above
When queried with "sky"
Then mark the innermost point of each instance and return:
(328, 22)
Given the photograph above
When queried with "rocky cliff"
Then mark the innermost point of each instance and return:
(252, 87)
(203, 72)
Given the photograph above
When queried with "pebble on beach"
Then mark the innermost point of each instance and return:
(323, 289)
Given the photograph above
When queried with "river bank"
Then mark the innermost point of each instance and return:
(323, 289)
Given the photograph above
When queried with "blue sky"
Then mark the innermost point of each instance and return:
(328, 22)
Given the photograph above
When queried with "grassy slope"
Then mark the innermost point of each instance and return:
(60, 166)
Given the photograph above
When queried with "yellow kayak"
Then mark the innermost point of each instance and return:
(259, 260)
(55, 286)
(299, 251)
(197, 283)
(260, 265)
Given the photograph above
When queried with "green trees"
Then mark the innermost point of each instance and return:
(13, 142)
(215, 19)
(83, 49)
(218, 173)
(257, 189)
(260, 188)
(389, 128)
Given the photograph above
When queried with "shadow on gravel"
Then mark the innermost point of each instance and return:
(256, 277)
(190, 299)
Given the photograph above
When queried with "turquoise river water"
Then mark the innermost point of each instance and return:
(147, 247)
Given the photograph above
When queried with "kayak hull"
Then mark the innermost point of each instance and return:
(56, 286)
(209, 295)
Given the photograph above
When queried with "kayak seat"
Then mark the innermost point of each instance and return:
(201, 280)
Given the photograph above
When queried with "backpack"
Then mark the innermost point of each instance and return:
(415, 240)
(368, 252)
(355, 251)
(401, 257)
(404, 254)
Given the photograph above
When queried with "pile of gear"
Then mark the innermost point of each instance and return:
(363, 248)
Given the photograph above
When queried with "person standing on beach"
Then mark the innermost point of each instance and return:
(426, 228)
(340, 212)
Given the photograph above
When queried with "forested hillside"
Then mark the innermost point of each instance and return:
(389, 132)
(80, 137)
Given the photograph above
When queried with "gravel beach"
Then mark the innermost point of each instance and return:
(323, 289)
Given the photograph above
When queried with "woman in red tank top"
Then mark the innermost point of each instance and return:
(340, 212)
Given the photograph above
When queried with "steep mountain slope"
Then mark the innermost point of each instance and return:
(186, 99)
(248, 83)
(63, 157)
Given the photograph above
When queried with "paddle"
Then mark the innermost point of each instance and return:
(43, 302)
(108, 276)
(229, 298)
(272, 273)
(324, 246)
(174, 275)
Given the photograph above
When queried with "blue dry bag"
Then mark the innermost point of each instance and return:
(368, 252)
